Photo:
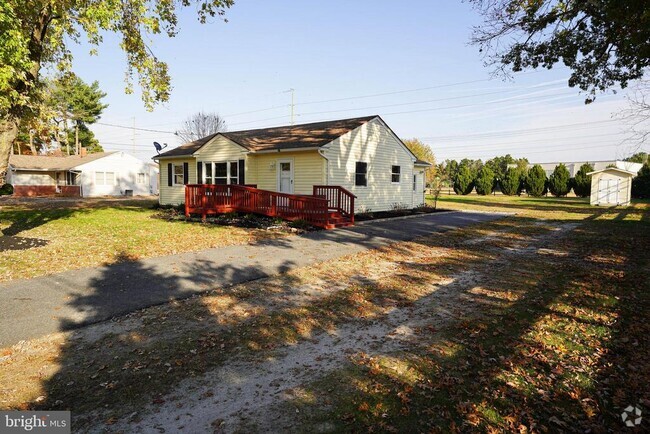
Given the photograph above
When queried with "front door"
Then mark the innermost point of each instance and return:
(285, 176)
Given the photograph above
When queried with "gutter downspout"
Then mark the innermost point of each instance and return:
(327, 166)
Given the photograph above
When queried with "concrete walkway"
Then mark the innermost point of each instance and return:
(35, 307)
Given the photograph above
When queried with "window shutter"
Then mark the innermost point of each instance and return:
(199, 172)
(242, 177)
(170, 174)
(186, 173)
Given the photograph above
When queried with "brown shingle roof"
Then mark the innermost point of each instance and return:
(311, 135)
(46, 162)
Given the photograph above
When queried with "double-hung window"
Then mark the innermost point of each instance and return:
(179, 174)
(104, 178)
(395, 174)
(361, 174)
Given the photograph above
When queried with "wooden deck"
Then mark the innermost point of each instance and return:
(329, 206)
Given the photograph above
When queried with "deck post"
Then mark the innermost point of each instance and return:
(187, 202)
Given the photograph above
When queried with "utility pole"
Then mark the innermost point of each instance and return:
(76, 137)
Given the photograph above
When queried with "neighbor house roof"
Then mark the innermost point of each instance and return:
(422, 163)
(48, 162)
(313, 135)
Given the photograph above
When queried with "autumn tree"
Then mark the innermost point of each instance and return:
(37, 33)
(604, 42)
(423, 152)
(201, 125)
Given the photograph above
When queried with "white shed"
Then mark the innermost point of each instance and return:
(611, 186)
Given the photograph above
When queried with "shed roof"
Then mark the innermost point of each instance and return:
(48, 162)
(613, 169)
(312, 135)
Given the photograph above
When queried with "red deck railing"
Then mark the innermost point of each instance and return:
(206, 199)
(338, 199)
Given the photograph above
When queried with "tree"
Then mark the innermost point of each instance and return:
(484, 181)
(201, 125)
(511, 182)
(499, 165)
(37, 33)
(536, 181)
(641, 183)
(66, 106)
(603, 42)
(451, 169)
(464, 180)
(559, 181)
(582, 181)
(423, 152)
(639, 157)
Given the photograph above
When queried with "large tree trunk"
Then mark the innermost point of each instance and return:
(8, 133)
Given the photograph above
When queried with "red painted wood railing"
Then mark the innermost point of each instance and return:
(207, 199)
(338, 199)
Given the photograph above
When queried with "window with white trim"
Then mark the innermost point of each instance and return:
(395, 172)
(179, 174)
(415, 181)
(104, 178)
(221, 172)
(361, 174)
(140, 179)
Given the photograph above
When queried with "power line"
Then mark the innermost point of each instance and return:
(519, 143)
(546, 148)
(134, 128)
(489, 134)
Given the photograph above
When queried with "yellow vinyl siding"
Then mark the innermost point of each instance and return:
(308, 170)
(374, 144)
(175, 194)
(220, 149)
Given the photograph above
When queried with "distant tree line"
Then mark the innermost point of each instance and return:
(512, 176)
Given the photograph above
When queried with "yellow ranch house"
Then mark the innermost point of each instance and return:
(361, 156)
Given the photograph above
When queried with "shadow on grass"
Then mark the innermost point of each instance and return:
(490, 379)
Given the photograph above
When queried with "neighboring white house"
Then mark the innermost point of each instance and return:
(86, 175)
(611, 186)
(363, 155)
(573, 167)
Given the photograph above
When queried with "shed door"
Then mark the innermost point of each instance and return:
(608, 191)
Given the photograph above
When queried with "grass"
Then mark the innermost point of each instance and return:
(520, 324)
(49, 238)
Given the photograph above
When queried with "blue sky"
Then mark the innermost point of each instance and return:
(410, 64)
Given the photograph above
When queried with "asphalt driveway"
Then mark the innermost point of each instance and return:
(35, 307)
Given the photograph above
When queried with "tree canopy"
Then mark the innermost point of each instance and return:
(423, 152)
(559, 182)
(603, 42)
(582, 181)
(536, 181)
(38, 32)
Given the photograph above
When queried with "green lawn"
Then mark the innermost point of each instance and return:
(43, 238)
(563, 208)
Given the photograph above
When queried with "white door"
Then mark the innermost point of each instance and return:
(608, 191)
(285, 176)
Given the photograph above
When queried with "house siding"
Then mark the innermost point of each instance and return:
(175, 194)
(374, 144)
(32, 178)
(125, 168)
(308, 170)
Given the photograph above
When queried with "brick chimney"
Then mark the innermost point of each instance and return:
(84, 152)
